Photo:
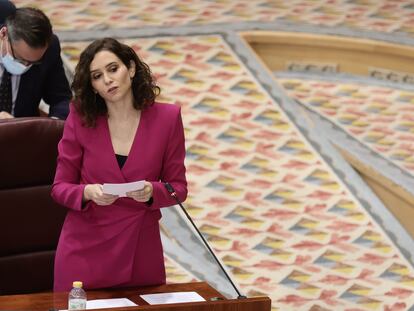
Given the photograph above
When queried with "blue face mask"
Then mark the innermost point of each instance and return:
(12, 65)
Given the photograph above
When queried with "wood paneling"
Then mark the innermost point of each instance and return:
(352, 55)
(398, 201)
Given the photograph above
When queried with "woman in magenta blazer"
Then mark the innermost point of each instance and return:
(115, 133)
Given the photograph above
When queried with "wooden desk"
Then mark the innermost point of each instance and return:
(59, 301)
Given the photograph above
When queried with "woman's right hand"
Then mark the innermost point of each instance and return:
(94, 192)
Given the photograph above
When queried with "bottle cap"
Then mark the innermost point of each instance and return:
(77, 284)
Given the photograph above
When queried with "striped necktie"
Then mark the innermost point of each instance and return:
(6, 92)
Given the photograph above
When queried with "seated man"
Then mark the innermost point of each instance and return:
(31, 68)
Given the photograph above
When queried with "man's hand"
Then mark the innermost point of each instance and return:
(5, 115)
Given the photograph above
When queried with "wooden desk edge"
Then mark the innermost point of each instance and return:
(50, 300)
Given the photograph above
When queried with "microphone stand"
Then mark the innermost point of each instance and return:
(172, 192)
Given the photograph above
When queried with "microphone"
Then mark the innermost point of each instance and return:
(172, 192)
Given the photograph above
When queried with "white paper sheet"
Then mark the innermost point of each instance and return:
(108, 303)
(122, 189)
(177, 297)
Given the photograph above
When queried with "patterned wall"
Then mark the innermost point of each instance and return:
(380, 16)
(379, 117)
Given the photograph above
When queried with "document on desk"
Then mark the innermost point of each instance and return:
(177, 297)
(122, 189)
(108, 303)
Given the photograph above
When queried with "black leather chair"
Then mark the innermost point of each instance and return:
(30, 221)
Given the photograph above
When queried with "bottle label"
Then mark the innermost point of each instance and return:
(77, 304)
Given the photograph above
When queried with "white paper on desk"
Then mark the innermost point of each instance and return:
(109, 303)
(122, 189)
(177, 297)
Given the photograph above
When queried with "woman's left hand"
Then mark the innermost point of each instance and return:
(142, 195)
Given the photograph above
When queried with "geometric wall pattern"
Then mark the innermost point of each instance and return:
(372, 15)
(381, 118)
(274, 211)
(175, 273)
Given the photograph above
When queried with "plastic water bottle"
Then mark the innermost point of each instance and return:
(77, 297)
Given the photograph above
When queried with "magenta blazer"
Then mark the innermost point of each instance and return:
(117, 245)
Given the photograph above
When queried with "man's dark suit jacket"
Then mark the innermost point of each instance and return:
(45, 81)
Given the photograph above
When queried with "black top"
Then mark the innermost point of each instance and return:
(121, 159)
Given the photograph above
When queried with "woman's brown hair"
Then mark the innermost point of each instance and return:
(90, 105)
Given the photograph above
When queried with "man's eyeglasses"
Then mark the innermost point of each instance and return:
(21, 61)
